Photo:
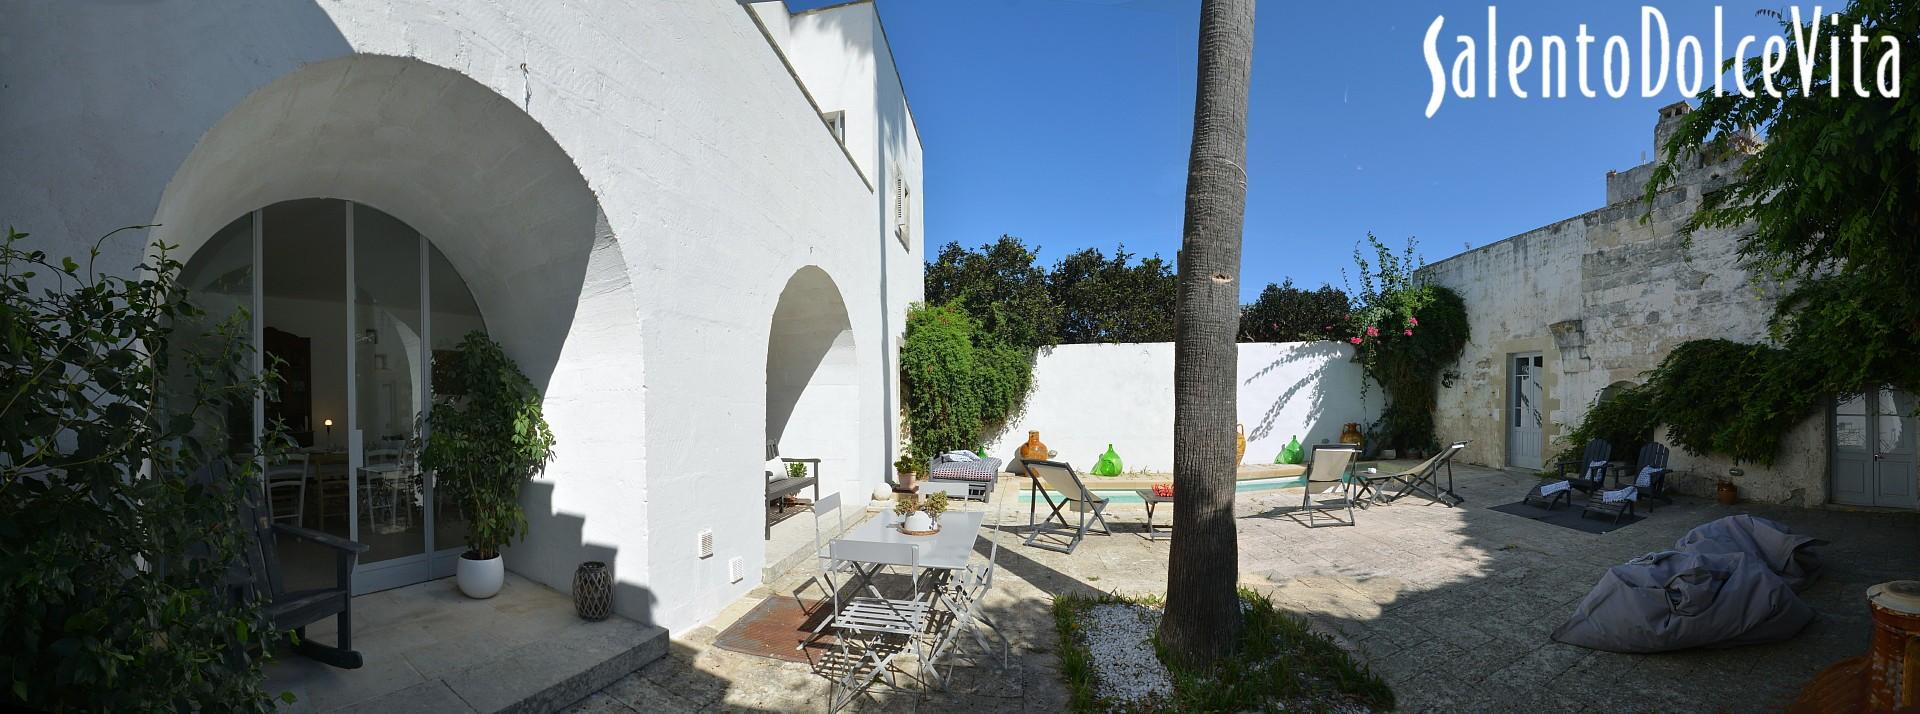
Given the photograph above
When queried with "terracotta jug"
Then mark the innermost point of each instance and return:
(1033, 450)
(1240, 443)
(1352, 434)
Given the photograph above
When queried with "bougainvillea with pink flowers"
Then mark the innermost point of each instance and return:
(1407, 335)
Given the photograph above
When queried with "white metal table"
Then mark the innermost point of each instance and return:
(946, 551)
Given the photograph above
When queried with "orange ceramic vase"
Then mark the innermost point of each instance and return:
(1240, 443)
(1352, 434)
(1033, 450)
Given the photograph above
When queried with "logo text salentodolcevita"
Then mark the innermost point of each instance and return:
(1817, 47)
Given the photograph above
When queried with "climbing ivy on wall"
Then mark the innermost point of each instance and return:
(1826, 205)
(961, 382)
(1407, 334)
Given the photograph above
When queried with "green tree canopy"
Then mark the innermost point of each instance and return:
(1000, 286)
(1102, 299)
(1284, 313)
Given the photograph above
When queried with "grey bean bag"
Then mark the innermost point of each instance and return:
(1727, 583)
(1787, 555)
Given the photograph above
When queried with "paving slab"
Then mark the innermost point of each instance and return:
(1453, 606)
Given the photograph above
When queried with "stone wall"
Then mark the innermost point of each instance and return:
(1604, 296)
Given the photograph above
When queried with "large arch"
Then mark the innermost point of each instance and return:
(813, 378)
(431, 147)
(511, 211)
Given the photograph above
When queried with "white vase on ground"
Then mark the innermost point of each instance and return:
(480, 579)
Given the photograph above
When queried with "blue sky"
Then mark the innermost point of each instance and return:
(1067, 123)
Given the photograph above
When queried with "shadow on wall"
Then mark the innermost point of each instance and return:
(1313, 384)
(630, 599)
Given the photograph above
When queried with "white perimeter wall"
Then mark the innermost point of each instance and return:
(1085, 396)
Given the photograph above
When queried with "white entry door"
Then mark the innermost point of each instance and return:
(1524, 421)
(1874, 451)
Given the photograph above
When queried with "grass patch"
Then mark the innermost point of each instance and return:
(1281, 665)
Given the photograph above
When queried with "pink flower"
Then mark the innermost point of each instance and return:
(1373, 331)
(1354, 340)
(1414, 321)
(1408, 333)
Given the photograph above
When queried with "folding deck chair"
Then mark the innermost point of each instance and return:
(1060, 478)
(1421, 480)
(1331, 468)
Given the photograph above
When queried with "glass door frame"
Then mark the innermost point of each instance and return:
(429, 564)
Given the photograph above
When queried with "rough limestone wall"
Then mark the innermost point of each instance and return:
(1605, 296)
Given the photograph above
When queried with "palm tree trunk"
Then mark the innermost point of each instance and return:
(1203, 619)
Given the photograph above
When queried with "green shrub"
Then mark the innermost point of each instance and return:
(1713, 396)
(961, 383)
(486, 442)
(115, 543)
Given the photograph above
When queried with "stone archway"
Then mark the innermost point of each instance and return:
(510, 209)
(813, 381)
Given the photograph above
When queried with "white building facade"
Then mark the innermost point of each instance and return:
(694, 225)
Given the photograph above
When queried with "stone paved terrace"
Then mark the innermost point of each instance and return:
(1452, 606)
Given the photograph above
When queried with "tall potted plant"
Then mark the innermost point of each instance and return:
(485, 437)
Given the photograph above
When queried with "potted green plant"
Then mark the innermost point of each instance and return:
(908, 468)
(919, 515)
(485, 438)
(796, 470)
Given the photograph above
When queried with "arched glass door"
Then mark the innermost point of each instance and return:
(350, 304)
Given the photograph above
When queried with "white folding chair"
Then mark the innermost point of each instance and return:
(288, 476)
(883, 628)
(1330, 471)
(963, 595)
(823, 510)
(1060, 478)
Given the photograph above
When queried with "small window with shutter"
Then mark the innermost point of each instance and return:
(837, 123)
(902, 212)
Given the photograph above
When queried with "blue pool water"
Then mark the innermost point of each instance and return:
(1248, 486)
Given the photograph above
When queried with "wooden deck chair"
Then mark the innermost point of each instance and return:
(1331, 469)
(294, 610)
(1650, 472)
(1060, 478)
(1589, 473)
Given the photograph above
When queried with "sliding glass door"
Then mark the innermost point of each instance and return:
(346, 306)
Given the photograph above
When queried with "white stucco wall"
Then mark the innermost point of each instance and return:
(625, 187)
(1087, 396)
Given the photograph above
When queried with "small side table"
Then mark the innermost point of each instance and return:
(1147, 497)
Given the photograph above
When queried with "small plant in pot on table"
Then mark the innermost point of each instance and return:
(485, 438)
(920, 515)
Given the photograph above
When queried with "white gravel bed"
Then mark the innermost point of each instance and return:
(1119, 640)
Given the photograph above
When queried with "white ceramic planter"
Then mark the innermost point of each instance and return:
(480, 579)
(919, 521)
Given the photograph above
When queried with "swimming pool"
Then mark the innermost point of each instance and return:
(1247, 486)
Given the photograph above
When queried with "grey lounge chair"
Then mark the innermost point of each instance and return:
(1060, 478)
(1331, 468)
(1421, 480)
